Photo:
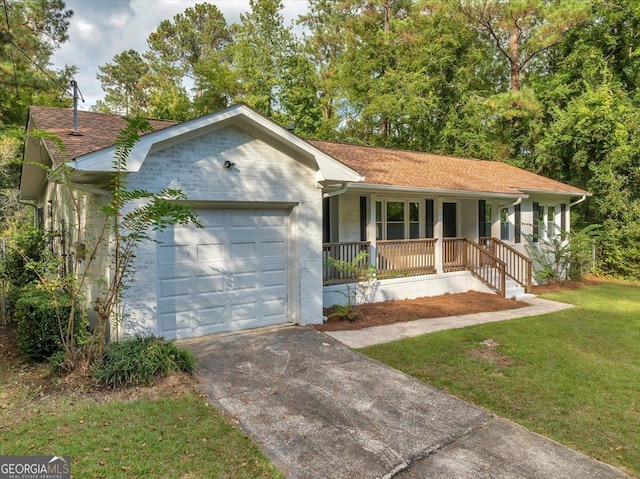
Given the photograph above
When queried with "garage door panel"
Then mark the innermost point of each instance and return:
(243, 281)
(242, 250)
(175, 287)
(175, 304)
(210, 316)
(243, 218)
(173, 254)
(210, 283)
(274, 277)
(273, 249)
(207, 252)
(211, 218)
(231, 274)
(244, 311)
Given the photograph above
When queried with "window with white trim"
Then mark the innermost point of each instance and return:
(398, 219)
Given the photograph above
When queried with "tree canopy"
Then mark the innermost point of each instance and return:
(547, 85)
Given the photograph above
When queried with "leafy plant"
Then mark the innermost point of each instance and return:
(41, 320)
(128, 217)
(359, 275)
(142, 360)
(566, 255)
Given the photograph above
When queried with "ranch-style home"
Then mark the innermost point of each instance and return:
(274, 207)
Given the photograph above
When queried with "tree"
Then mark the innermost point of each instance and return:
(122, 81)
(128, 217)
(29, 33)
(260, 47)
(522, 30)
(194, 44)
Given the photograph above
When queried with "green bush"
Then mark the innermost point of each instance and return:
(29, 243)
(141, 361)
(39, 318)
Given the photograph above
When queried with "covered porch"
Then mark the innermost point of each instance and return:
(424, 242)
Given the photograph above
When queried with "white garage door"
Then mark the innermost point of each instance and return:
(229, 275)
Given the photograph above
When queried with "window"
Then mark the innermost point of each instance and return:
(398, 220)
(563, 218)
(504, 224)
(363, 218)
(538, 220)
(414, 220)
(429, 218)
(395, 220)
(517, 230)
(551, 221)
(484, 219)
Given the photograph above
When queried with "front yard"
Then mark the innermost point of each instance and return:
(573, 376)
(164, 431)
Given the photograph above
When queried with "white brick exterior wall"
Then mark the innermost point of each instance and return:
(349, 211)
(262, 174)
(410, 288)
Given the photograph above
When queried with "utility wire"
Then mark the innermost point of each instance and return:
(9, 37)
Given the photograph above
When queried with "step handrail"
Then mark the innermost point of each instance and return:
(518, 266)
(487, 267)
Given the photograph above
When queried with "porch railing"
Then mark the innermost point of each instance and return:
(345, 252)
(485, 266)
(454, 254)
(401, 258)
(518, 266)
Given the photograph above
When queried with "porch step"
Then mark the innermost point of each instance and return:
(515, 291)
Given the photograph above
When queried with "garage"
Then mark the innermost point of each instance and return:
(231, 274)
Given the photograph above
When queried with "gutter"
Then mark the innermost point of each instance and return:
(435, 192)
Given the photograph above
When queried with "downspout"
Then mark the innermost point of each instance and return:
(584, 197)
(342, 189)
(515, 203)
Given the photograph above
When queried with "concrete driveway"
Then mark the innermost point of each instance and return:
(321, 410)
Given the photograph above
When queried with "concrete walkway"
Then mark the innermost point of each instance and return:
(321, 410)
(361, 338)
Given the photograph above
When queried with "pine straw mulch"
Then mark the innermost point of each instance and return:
(388, 312)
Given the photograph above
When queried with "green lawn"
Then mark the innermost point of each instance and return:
(573, 376)
(178, 437)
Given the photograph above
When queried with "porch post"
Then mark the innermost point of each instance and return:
(437, 233)
(495, 219)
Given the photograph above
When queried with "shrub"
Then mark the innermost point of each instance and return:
(40, 320)
(25, 246)
(141, 361)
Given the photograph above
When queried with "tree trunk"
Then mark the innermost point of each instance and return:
(513, 60)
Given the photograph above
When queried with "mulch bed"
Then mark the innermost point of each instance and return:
(388, 312)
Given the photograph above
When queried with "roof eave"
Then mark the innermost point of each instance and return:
(578, 192)
(435, 191)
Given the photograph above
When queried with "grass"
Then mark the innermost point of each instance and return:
(167, 430)
(573, 376)
(179, 437)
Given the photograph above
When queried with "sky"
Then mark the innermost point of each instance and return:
(100, 29)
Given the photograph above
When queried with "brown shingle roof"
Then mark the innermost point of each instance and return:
(97, 130)
(381, 166)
